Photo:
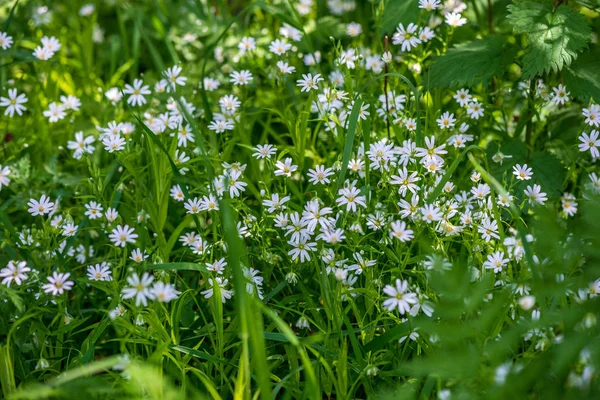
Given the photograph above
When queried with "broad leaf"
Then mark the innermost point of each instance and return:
(549, 173)
(554, 37)
(397, 12)
(581, 78)
(469, 63)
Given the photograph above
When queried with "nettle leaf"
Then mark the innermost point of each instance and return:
(554, 37)
(470, 63)
(581, 78)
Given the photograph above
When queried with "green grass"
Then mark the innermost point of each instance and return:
(294, 328)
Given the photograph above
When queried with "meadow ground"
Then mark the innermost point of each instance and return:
(299, 199)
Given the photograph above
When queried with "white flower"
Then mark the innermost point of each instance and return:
(139, 288)
(221, 125)
(119, 311)
(320, 175)
(455, 19)
(408, 37)
(42, 53)
(70, 102)
(210, 84)
(285, 168)
(463, 97)
(351, 198)
(113, 143)
(425, 34)
(523, 173)
(264, 151)
(5, 41)
(446, 121)
(535, 195)
(236, 186)
(496, 261)
(113, 94)
(177, 193)
(51, 43)
(590, 142)
(429, 5)
(15, 271)
(399, 297)
(399, 231)
(55, 112)
(560, 95)
(279, 47)
(222, 284)
(81, 145)
(69, 229)
(86, 10)
(431, 213)
(218, 266)
(111, 214)
(137, 92)
(94, 210)
(209, 203)
(99, 272)
(332, 236)
(475, 110)
(164, 292)
(386, 57)
(240, 78)
(247, 44)
(173, 78)
(285, 68)
(230, 103)
(431, 153)
(592, 115)
(4, 173)
(488, 229)
(58, 283)
(302, 323)
(122, 235)
(301, 249)
(527, 302)
(13, 103)
(569, 204)
(275, 203)
(290, 32)
(309, 82)
(138, 256)
(41, 207)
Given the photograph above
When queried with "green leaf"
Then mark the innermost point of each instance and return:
(581, 78)
(470, 63)
(7, 372)
(398, 12)
(549, 173)
(14, 297)
(555, 37)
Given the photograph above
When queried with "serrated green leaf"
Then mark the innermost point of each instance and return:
(581, 78)
(554, 37)
(470, 63)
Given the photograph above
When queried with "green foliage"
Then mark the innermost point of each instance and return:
(397, 12)
(320, 329)
(555, 36)
(581, 78)
(470, 63)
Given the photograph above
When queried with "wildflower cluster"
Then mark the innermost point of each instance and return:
(232, 188)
